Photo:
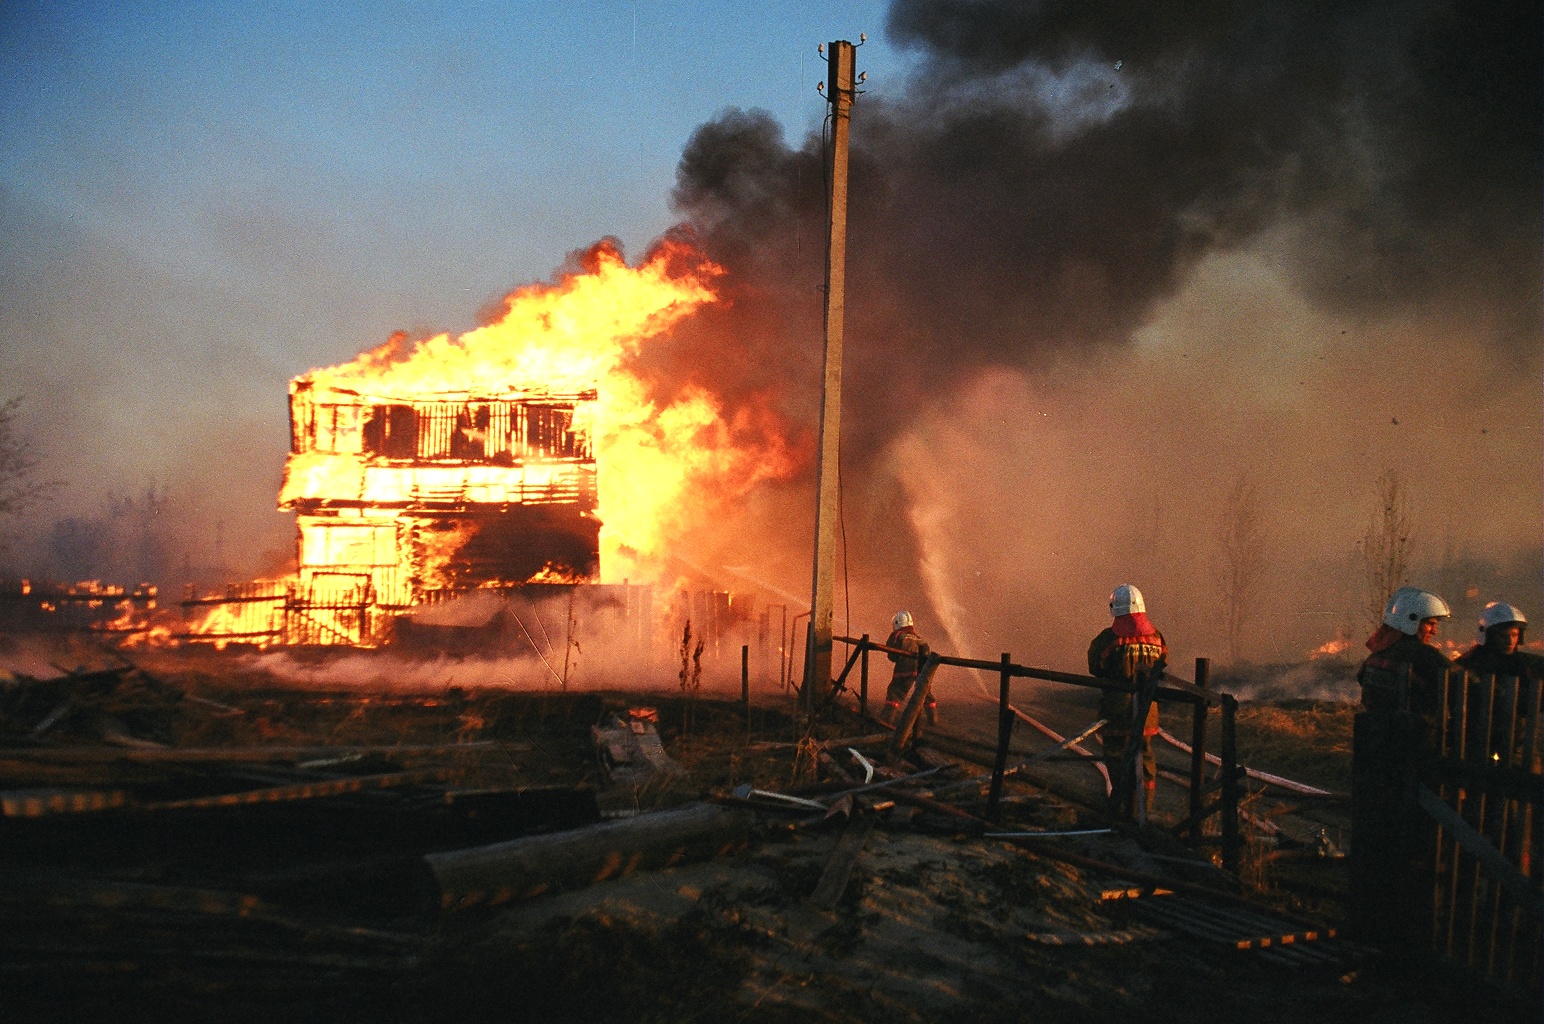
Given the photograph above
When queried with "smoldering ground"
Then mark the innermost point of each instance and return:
(1105, 264)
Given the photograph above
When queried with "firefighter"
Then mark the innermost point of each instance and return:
(1130, 650)
(1411, 620)
(1499, 651)
(903, 637)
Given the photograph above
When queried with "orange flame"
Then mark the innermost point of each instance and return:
(1330, 648)
(656, 465)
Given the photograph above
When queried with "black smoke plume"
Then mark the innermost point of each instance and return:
(1054, 172)
(1056, 168)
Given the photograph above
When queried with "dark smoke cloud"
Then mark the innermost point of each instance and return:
(1056, 168)
(1413, 129)
(1053, 178)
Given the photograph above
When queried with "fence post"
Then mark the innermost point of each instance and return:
(908, 719)
(1198, 740)
(1230, 789)
(863, 646)
(1384, 823)
(1004, 735)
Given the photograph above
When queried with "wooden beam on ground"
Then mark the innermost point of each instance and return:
(306, 790)
(184, 755)
(834, 879)
(533, 865)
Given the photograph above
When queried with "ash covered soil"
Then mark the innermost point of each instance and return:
(185, 897)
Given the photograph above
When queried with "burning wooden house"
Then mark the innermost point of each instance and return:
(403, 499)
(423, 472)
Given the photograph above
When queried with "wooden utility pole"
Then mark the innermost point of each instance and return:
(817, 656)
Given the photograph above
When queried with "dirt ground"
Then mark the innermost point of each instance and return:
(320, 909)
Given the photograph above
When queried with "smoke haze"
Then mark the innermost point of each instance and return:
(1106, 262)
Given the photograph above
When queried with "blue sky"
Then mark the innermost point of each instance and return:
(430, 149)
(199, 201)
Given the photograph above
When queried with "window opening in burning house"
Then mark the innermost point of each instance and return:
(392, 431)
(337, 429)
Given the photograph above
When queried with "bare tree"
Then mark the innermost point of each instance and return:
(1386, 546)
(19, 484)
(1243, 539)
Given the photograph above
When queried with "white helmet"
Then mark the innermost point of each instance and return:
(1126, 600)
(1498, 613)
(1411, 606)
(901, 620)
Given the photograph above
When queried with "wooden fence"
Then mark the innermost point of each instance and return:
(1208, 797)
(1446, 831)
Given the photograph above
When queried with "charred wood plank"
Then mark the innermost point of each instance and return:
(184, 755)
(838, 871)
(38, 803)
(523, 868)
(307, 790)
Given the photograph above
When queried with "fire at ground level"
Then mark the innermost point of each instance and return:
(193, 837)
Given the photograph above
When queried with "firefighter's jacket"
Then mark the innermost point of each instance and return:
(1485, 660)
(906, 665)
(1380, 674)
(1129, 659)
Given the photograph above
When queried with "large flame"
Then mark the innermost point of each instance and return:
(565, 337)
(656, 465)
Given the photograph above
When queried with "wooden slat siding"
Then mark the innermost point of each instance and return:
(1478, 797)
(496, 440)
(1529, 694)
(1460, 731)
(1479, 754)
(1535, 705)
(1479, 847)
(1510, 694)
(1444, 738)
